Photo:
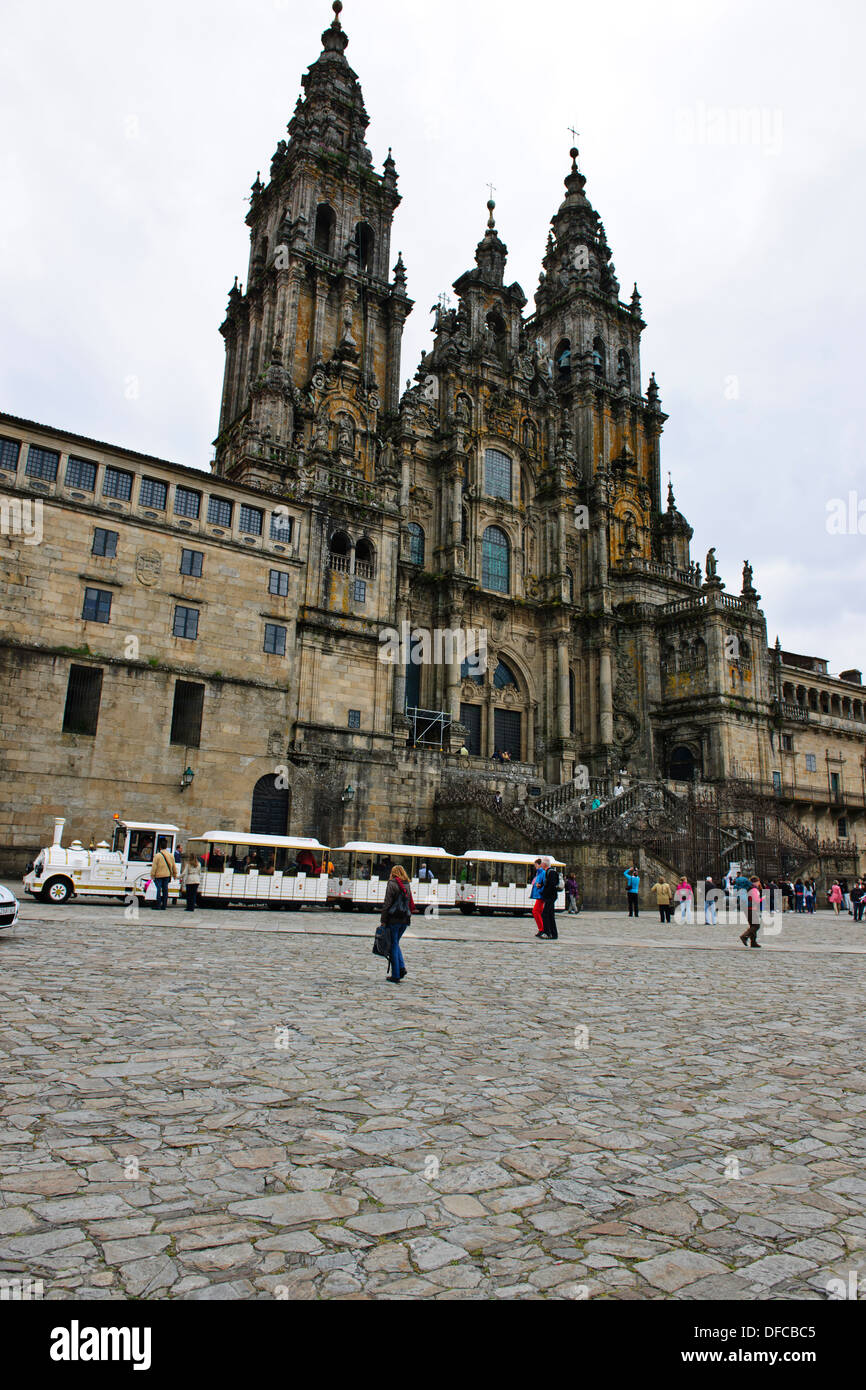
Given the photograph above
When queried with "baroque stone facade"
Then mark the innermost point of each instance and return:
(514, 489)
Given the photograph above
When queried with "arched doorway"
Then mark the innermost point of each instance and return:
(271, 806)
(681, 765)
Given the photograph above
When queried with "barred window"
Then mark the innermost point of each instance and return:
(104, 543)
(191, 562)
(83, 696)
(279, 584)
(497, 474)
(9, 451)
(117, 483)
(187, 502)
(354, 719)
(495, 561)
(81, 473)
(97, 606)
(359, 591)
(186, 714)
(281, 528)
(275, 639)
(250, 521)
(42, 463)
(153, 493)
(185, 623)
(219, 511)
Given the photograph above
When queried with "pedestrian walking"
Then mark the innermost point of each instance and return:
(685, 900)
(162, 871)
(858, 899)
(536, 893)
(750, 935)
(396, 916)
(664, 895)
(742, 884)
(548, 897)
(843, 884)
(190, 879)
(835, 896)
(571, 893)
(712, 896)
(632, 885)
(810, 895)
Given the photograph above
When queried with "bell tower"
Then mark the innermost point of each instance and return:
(313, 343)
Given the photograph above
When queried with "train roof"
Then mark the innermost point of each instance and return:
(231, 837)
(500, 857)
(374, 847)
(147, 825)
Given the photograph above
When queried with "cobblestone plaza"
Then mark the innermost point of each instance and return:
(241, 1109)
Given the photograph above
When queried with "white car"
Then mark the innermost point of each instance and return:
(8, 908)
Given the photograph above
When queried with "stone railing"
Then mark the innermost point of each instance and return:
(340, 563)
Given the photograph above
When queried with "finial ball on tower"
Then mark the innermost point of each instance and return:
(337, 7)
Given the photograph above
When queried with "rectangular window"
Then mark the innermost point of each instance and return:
(842, 828)
(81, 473)
(9, 451)
(104, 543)
(359, 591)
(117, 483)
(186, 714)
(250, 521)
(42, 463)
(83, 694)
(153, 493)
(354, 719)
(279, 584)
(187, 503)
(97, 606)
(497, 474)
(777, 783)
(185, 623)
(470, 715)
(275, 639)
(811, 762)
(191, 562)
(281, 528)
(219, 511)
(835, 786)
(788, 742)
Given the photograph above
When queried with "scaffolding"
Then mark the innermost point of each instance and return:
(428, 728)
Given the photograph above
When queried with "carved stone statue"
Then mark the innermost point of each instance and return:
(711, 569)
(747, 576)
(345, 434)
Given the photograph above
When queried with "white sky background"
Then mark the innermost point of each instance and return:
(132, 135)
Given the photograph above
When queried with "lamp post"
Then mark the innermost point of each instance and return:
(186, 779)
(348, 795)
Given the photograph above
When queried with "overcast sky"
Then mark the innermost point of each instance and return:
(723, 145)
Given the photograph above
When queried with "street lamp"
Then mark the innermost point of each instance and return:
(348, 795)
(186, 779)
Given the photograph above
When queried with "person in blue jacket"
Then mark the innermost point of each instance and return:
(632, 883)
(536, 894)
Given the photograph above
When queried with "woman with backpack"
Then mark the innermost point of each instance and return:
(396, 915)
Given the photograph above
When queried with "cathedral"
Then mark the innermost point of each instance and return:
(514, 490)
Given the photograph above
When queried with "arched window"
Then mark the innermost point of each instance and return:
(497, 474)
(469, 672)
(365, 240)
(562, 357)
(503, 676)
(416, 543)
(340, 552)
(745, 653)
(813, 698)
(623, 366)
(835, 705)
(569, 586)
(599, 357)
(700, 654)
(495, 561)
(326, 222)
(365, 559)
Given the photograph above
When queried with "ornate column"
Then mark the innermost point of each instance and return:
(562, 701)
(605, 683)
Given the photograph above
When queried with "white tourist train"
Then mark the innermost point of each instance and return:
(492, 881)
(119, 869)
(362, 869)
(281, 871)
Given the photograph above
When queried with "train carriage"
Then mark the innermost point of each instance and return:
(279, 871)
(493, 881)
(362, 869)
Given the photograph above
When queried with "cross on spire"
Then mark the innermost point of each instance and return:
(492, 189)
(573, 133)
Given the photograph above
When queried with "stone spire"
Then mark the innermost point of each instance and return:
(491, 253)
(331, 116)
(579, 251)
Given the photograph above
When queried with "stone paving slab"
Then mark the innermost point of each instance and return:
(246, 1110)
